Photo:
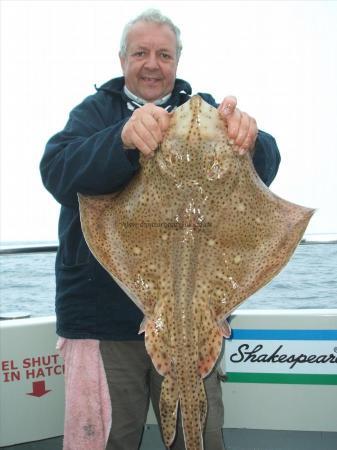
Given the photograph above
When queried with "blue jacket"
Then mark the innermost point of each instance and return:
(88, 157)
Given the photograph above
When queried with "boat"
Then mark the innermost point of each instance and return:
(279, 384)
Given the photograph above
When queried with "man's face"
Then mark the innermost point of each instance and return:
(150, 63)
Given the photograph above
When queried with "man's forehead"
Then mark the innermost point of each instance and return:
(146, 34)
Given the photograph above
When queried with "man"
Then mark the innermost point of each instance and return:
(98, 153)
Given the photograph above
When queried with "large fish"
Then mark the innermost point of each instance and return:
(193, 235)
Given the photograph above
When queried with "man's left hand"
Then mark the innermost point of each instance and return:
(242, 128)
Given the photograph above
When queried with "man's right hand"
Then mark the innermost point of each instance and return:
(145, 129)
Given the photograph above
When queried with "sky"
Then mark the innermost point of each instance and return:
(279, 58)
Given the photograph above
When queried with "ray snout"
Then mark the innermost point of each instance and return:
(187, 125)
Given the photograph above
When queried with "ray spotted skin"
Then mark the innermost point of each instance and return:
(193, 235)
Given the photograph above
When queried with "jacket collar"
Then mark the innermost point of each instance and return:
(116, 87)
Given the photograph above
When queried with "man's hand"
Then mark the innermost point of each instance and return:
(145, 129)
(242, 129)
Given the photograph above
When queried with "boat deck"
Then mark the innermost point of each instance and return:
(234, 440)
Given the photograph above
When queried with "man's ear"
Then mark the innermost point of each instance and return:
(122, 61)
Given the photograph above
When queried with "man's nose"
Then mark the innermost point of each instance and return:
(152, 61)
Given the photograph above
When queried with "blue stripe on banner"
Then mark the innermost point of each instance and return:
(288, 335)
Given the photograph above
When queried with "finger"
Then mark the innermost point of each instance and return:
(249, 142)
(227, 106)
(149, 155)
(150, 129)
(142, 146)
(137, 136)
(162, 117)
(145, 139)
(242, 130)
(233, 125)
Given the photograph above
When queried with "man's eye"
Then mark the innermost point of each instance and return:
(166, 56)
(140, 53)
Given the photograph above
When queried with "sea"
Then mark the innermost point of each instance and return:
(309, 281)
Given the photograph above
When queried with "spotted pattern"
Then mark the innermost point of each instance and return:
(193, 235)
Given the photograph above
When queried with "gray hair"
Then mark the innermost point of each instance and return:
(150, 16)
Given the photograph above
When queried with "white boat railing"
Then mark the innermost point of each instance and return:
(280, 365)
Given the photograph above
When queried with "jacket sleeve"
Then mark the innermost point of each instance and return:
(266, 157)
(88, 155)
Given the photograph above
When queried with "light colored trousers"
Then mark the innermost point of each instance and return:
(132, 381)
